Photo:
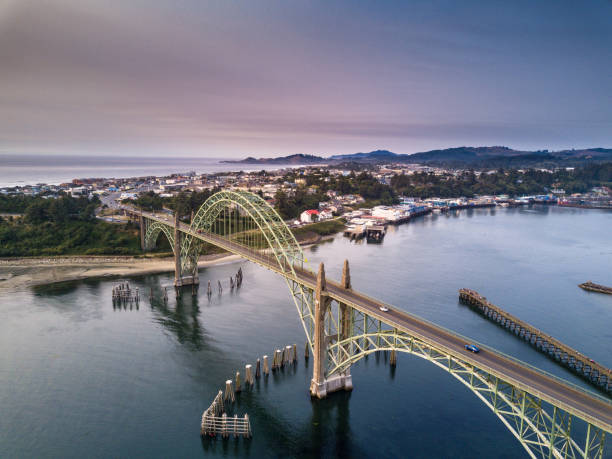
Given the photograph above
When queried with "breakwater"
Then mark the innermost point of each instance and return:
(587, 368)
(595, 287)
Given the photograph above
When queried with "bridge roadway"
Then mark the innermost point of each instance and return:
(593, 409)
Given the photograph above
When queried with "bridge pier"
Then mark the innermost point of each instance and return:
(180, 279)
(320, 385)
(143, 232)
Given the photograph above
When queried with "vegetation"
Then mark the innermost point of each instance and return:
(314, 231)
(185, 201)
(291, 206)
(15, 204)
(63, 226)
(511, 182)
(324, 228)
(319, 182)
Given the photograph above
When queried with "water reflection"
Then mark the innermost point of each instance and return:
(57, 289)
(182, 320)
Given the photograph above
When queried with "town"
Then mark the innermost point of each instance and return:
(364, 201)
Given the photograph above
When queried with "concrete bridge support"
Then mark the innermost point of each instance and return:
(181, 278)
(320, 385)
(143, 232)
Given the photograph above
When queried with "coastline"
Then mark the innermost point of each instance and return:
(23, 273)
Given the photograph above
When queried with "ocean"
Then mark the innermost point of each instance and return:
(20, 170)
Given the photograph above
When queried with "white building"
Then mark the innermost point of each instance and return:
(386, 212)
(309, 216)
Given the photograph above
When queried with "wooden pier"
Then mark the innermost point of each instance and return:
(595, 287)
(355, 232)
(587, 368)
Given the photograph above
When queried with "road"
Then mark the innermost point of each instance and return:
(590, 408)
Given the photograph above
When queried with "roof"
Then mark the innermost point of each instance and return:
(312, 212)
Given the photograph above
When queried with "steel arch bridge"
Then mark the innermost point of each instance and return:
(549, 416)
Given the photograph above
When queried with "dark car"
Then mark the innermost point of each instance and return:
(472, 348)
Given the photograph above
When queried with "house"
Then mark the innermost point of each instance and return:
(309, 216)
(326, 214)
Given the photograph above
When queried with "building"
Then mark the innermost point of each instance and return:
(309, 216)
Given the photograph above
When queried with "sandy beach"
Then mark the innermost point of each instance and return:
(21, 273)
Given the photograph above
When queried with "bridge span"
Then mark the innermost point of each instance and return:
(343, 325)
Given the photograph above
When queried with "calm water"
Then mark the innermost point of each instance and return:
(79, 378)
(19, 170)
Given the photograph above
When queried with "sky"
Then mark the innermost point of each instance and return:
(236, 78)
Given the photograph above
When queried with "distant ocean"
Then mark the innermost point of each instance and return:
(19, 170)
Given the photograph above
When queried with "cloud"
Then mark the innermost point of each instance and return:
(190, 77)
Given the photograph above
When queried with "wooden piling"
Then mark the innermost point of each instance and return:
(393, 358)
(248, 375)
(294, 353)
(306, 351)
(258, 369)
(238, 388)
(278, 359)
(224, 428)
(287, 355)
(266, 368)
(229, 391)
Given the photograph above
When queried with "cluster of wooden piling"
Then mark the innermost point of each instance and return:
(179, 291)
(123, 295)
(283, 357)
(587, 368)
(234, 282)
(280, 359)
(215, 421)
(164, 297)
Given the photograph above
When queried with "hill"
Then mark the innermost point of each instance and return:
(298, 159)
(494, 156)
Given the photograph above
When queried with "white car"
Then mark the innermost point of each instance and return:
(383, 309)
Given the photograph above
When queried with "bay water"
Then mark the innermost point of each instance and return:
(80, 378)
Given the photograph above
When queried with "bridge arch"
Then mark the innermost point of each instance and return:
(280, 242)
(542, 430)
(278, 236)
(154, 228)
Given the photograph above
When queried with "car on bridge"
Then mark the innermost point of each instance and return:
(472, 348)
(383, 309)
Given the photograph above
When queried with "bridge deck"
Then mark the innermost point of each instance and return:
(578, 402)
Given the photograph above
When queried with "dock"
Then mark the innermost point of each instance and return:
(595, 373)
(355, 232)
(595, 287)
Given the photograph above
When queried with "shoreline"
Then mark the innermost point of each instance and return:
(26, 272)
(23, 273)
